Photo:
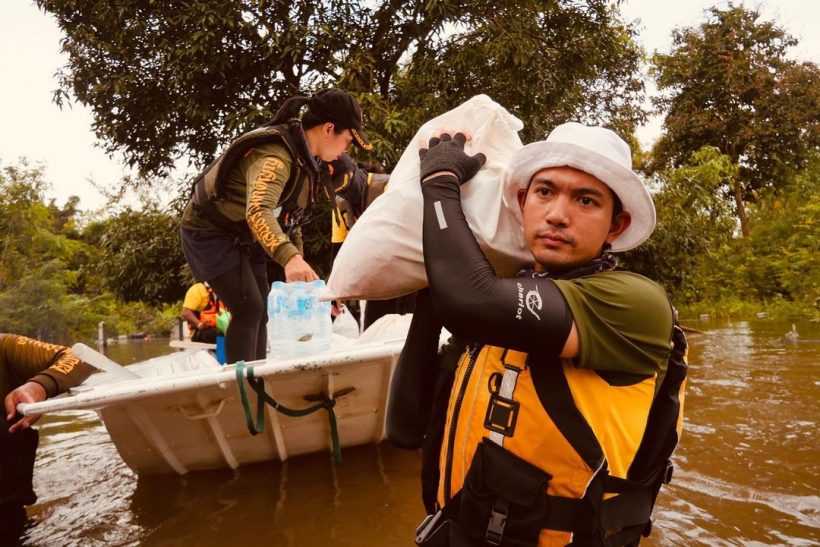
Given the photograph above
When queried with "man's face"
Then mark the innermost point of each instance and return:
(333, 145)
(568, 218)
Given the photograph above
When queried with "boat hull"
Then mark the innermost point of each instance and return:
(183, 412)
(205, 428)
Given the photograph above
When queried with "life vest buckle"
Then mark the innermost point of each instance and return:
(667, 475)
(427, 527)
(498, 520)
(502, 415)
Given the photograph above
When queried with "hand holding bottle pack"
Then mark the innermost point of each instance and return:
(298, 324)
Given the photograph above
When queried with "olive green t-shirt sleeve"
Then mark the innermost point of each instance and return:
(54, 367)
(267, 170)
(624, 322)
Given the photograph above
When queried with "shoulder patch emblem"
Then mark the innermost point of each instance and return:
(274, 164)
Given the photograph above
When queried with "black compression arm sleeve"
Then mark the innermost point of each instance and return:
(524, 314)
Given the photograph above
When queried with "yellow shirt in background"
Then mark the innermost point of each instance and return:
(196, 298)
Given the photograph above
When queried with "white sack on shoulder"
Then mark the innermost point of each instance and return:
(382, 255)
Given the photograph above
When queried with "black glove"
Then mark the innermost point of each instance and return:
(345, 213)
(349, 181)
(342, 171)
(446, 153)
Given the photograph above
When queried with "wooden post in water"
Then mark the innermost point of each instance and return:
(101, 341)
(180, 329)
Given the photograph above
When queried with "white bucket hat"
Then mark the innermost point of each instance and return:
(599, 152)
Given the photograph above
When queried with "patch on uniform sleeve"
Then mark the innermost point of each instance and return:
(256, 208)
(270, 167)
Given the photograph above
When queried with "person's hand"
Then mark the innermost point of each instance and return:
(445, 154)
(345, 212)
(297, 269)
(30, 392)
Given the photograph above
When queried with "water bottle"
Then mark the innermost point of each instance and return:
(277, 320)
(299, 319)
(322, 321)
(298, 324)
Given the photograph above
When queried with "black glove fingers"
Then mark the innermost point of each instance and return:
(446, 154)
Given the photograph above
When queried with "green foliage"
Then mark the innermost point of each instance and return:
(781, 260)
(694, 225)
(51, 282)
(739, 308)
(697, 255)
(165, 79)
(727, 83)
(142, 257)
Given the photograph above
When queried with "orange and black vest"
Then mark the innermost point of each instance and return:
(551, 454)
(208, 186)
(208, 315)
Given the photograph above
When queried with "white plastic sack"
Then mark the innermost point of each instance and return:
(382, 255)
(345, 324)
(187, 362)
(386, 328)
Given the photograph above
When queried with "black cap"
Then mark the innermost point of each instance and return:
(341, 109)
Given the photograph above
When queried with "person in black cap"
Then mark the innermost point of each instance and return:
(249, 202)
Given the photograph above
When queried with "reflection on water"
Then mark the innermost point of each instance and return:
(746, 470)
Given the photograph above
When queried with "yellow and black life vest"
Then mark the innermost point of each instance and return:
(345, 214)
(552, 454)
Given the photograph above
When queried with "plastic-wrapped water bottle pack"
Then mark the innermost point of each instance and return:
(298, 323)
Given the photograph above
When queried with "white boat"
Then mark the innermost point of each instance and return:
(183, 412)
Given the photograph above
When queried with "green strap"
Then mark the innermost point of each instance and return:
(258, 385)
(259, 426)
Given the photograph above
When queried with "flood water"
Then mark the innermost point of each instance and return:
(746, 470)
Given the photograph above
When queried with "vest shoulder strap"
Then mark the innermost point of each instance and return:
(208, 187)
(661, 434)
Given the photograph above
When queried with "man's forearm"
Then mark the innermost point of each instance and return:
(469, 298)
(190, 316)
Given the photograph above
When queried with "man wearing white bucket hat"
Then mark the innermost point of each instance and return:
(564, 411)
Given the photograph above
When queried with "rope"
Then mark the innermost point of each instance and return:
(257, 426)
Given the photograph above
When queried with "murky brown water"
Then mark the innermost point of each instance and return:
(747, 469)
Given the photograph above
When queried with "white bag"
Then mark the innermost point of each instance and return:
(382, 256)
(345, 324)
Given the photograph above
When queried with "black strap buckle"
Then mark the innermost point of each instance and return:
(647, 530)
(502, 415)
(667, 475)
(498, 520)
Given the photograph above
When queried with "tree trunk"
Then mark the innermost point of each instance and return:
(741, 207)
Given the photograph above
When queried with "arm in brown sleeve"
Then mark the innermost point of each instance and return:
(267, 170)
(54, 367)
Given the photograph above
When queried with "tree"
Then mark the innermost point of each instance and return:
(694, 226)
(166, 79)
(727, 83)
(782, 258)
(26, 224)
(142, 257)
